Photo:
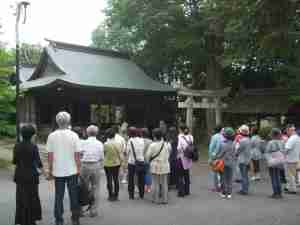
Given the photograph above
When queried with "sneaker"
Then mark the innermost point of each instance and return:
(222, 195)
(272, 196)
(124, 181)
(242, 193)
(110, 198)
(291, 192)
(253, 178)
(276, 196)
(229, 196)
(75, 222)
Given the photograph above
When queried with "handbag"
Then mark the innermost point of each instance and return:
(218, 165)
(276, 159)
(156, 155)
(139, 165)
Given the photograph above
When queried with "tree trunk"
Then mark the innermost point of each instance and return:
(214, 46)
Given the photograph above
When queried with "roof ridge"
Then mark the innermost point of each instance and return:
(87, 49)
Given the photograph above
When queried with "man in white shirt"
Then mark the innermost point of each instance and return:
(135, 151)
(91, 165)
(64, 165)
(292, 150)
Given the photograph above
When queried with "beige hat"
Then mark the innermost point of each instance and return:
(244, 129)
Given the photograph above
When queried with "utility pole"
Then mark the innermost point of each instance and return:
(20, 6)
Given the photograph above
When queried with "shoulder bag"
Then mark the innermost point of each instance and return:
(157, 154)
(277, 158)
(139, 165)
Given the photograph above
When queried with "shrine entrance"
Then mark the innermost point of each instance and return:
(202, 99)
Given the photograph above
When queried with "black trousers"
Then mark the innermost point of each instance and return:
(173, 173)
(28, 205)
(112, 177)
(141, 181)
(183, 179)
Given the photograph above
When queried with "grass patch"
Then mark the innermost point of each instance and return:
(4, 164)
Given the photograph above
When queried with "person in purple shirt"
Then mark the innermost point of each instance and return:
(184, 164)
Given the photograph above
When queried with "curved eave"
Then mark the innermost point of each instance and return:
(43, 63)
(54, 82)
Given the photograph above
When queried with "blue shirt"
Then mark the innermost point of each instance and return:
(214, 145)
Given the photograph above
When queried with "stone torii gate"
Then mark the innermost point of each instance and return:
(210, 99)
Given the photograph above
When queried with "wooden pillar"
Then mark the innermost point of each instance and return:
(93, 117)
(32, 110)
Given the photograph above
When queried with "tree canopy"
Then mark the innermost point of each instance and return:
(7, 94)
(179, 38)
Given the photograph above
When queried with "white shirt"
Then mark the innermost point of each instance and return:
(139, 147)
(92, 150)
(63, 143)
(292, 148)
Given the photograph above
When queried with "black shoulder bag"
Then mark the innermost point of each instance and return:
(157, 154)
(139, 165)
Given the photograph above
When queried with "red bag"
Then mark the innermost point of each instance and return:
(218, 165)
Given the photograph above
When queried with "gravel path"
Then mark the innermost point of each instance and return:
(202, 207)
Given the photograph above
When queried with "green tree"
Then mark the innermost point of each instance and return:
(208, 43)
(7, 95)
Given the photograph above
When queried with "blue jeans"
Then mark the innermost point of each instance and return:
(148, 177)
(214, 180)
(244, 169)
(72, 184)
(226, 180)
(275, 179)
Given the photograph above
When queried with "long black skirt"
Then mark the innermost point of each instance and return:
(28, 205)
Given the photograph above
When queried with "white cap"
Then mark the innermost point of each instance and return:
(244, 129)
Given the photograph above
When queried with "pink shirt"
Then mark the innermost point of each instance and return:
(182, 145)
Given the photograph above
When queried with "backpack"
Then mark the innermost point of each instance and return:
(191, 152)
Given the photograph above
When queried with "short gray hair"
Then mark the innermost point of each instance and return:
(63, 119)
(92, 130)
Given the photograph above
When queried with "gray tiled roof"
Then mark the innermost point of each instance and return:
(26, 73)
(83, 66)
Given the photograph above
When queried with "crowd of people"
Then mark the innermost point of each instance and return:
(147, 161)
(233, 153)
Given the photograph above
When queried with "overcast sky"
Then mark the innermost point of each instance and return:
(62, 20)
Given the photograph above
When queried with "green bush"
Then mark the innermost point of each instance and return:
(4, 164)
(7, 130)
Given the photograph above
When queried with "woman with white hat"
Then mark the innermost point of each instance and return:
(244, 158)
